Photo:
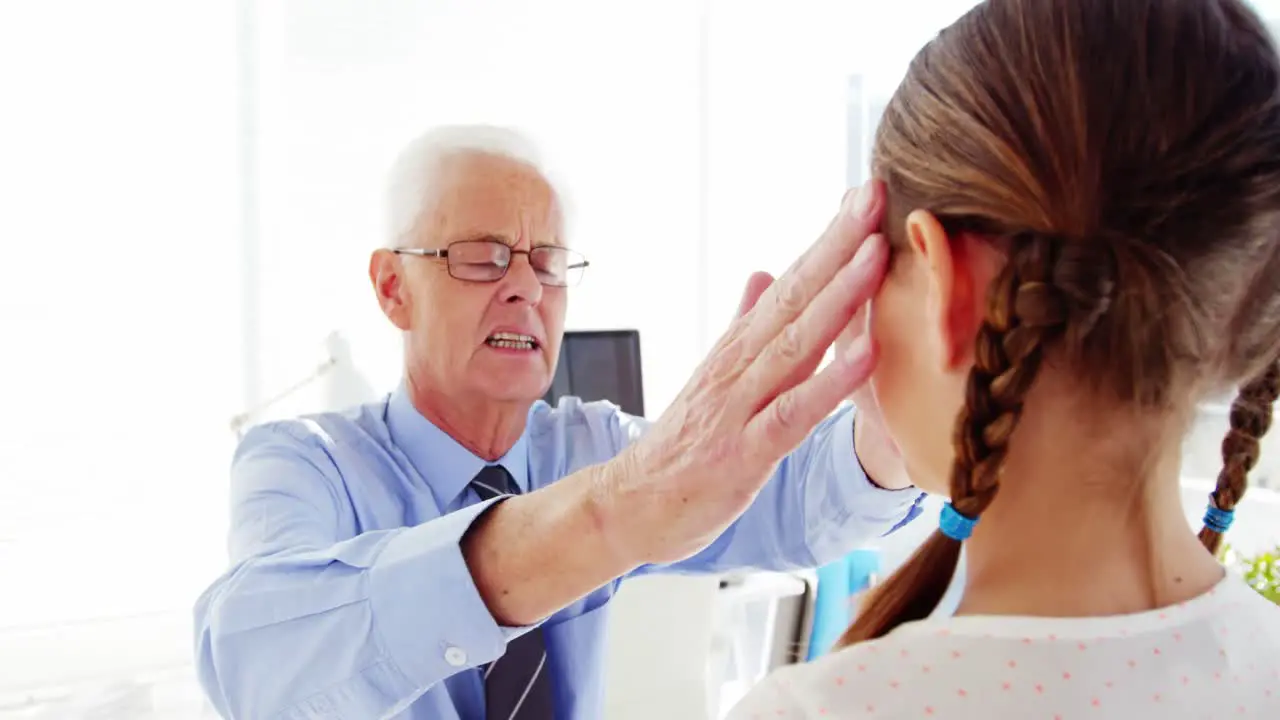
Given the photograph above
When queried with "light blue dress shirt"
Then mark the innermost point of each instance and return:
(347, 596)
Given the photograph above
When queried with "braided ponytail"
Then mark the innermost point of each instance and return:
(1026, 312)
(1250, 419)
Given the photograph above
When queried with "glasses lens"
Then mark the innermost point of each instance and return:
(557, 266)
(479, 260)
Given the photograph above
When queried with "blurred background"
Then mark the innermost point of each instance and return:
(190, 193)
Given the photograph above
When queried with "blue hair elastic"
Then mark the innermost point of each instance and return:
(1217, 520)
(954, 525)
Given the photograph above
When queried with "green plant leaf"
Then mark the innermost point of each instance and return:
(1261, 571)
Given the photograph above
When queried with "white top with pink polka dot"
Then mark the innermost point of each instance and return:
(1216, 656)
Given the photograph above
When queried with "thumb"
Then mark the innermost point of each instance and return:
(756, 285)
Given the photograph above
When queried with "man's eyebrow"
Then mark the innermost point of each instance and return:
(487, 237)
(491, 237)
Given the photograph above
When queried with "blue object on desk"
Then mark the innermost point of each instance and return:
(838, 581)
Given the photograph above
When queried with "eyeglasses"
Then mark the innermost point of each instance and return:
(489, 260)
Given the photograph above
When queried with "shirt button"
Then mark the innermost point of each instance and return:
(455, 656)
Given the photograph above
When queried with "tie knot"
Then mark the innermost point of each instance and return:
(493, 481)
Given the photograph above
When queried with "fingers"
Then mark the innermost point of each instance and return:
(861, 324)
(785, 422)
(756, 285)
(794, 353)
(790, 294)
(862, 398)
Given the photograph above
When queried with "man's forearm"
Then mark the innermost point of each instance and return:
(534, 554)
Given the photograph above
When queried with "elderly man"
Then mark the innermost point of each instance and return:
(450, 551)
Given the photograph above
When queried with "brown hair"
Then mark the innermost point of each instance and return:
(1126, 158)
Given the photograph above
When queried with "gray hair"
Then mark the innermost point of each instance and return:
(413, 172)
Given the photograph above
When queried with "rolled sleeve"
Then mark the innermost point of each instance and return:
(316, 620)
(420, 579)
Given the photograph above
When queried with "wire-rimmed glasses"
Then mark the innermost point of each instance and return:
(488, 261)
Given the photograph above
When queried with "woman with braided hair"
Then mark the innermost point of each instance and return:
(1084, 210)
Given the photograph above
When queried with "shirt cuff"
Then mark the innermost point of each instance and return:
(879, 510)
(427, 609)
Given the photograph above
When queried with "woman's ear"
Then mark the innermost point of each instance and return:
(954, 275)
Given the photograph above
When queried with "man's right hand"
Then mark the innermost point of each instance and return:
(675, 490)
(752, 401)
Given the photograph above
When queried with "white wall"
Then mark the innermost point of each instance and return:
(777, 120)
(118, 296)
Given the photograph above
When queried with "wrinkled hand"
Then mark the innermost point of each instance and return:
(876, 451)
(756, 285)
(753, 399)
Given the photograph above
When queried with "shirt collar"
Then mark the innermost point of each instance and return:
(445, 465)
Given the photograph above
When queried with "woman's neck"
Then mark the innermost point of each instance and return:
(1080, 528)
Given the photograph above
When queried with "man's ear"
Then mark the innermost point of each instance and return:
(386, 274)
(955, 285)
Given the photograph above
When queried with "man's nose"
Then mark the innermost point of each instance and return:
(521, 283)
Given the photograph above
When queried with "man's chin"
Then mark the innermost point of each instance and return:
(521, 391)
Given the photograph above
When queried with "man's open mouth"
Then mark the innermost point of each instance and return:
(512, 341)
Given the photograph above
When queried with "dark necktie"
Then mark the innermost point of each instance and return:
(517, 686)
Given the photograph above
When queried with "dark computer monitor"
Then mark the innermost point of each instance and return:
(600, 365)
